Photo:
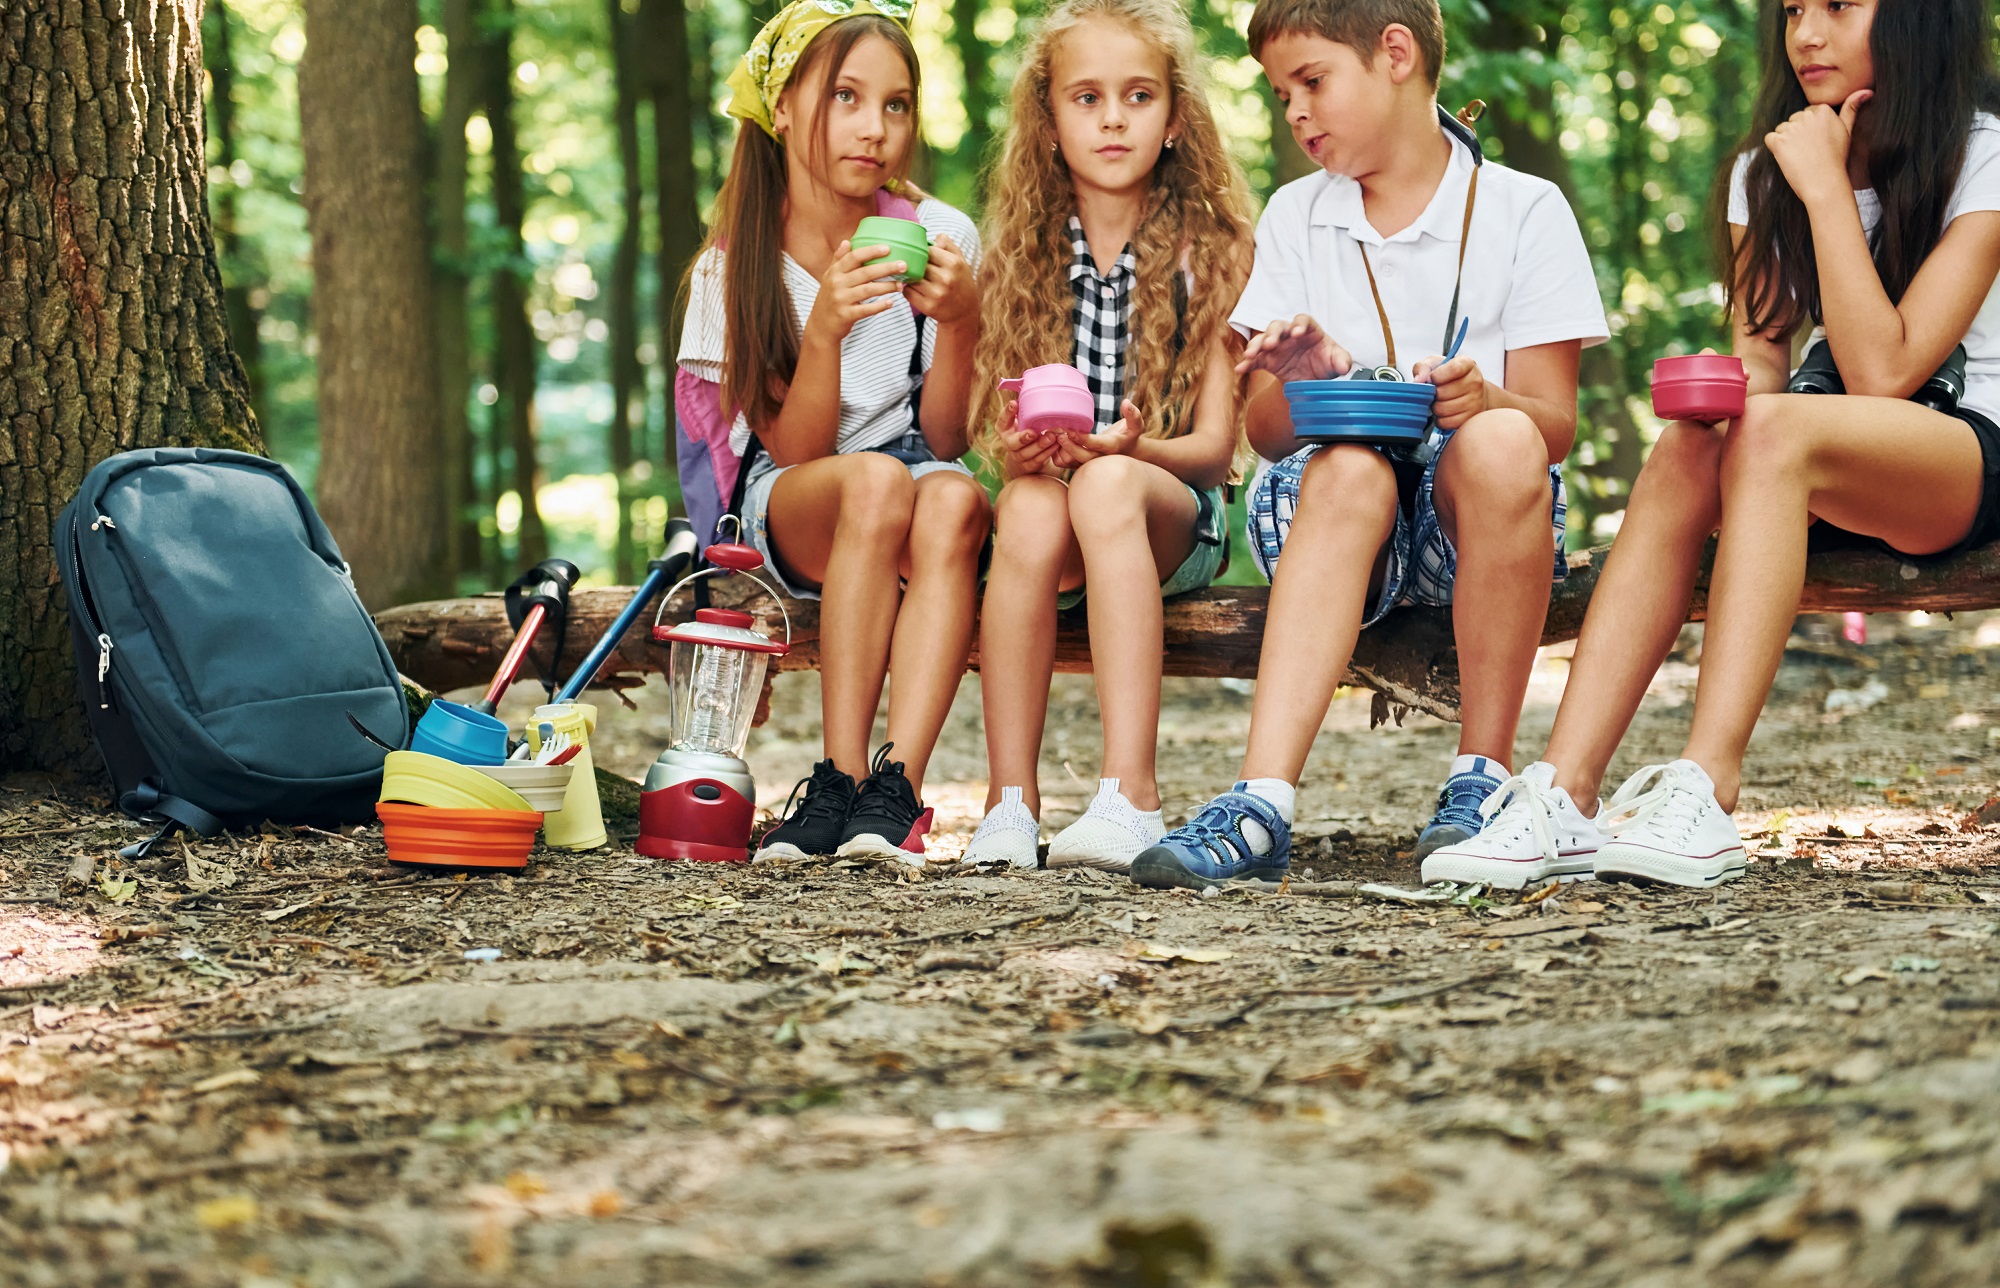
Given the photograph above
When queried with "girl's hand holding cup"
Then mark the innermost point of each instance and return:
(1024, 453)
(851, 291)
(1118, 439)
(948, 292)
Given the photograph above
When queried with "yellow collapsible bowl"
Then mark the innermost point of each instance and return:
(418, 779)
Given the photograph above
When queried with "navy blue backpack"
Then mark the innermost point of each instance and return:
(220, 645)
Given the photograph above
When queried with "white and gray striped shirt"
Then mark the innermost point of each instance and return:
(875, 380)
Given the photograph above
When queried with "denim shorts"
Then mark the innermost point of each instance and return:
(910, 449)
(1422, 563)
(1202, 563)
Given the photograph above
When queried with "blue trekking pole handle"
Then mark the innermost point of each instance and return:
(678, 556)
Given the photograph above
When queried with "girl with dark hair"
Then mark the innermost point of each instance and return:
(810, 359)
(1869, 208)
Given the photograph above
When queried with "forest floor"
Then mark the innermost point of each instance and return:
(266, 1059)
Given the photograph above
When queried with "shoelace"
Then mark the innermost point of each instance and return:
(885, 779)
(816, 803)
(1449, 810)
(1658, 795)
(1527, 792)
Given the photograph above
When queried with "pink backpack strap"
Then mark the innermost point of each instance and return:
(895, 205)
(698, 405)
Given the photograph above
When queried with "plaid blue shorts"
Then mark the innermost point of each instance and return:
(1422, 563)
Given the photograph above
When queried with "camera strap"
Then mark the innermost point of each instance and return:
(1465, 135)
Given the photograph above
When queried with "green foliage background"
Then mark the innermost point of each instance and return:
(1630, 107)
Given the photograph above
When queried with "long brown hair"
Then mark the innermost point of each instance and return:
(1199, 205)
(1933, 70)
(760, 331)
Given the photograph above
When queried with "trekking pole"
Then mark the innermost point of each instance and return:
(674, 560)
(544, 590)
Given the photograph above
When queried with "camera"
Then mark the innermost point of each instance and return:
(1818, 375)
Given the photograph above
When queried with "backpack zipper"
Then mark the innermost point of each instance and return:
(103, 670)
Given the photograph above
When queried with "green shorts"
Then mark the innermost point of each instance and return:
(1203, 562)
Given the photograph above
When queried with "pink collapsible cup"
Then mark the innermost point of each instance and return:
(1055, 399)
(1699, 386)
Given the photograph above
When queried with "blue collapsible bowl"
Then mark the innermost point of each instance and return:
(459, 733)
(1381, 412)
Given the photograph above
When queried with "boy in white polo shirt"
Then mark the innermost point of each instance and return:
(1375, 262)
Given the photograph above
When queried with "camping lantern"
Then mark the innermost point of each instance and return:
(699, 799)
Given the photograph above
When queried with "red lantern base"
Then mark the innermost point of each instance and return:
(702, 819)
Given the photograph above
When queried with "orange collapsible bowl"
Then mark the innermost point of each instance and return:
(457, 838)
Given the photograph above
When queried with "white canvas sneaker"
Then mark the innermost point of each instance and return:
(1110, 834)
(1533, 832)
(1007, 835)
(1665, 826)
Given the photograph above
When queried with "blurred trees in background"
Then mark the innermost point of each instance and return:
(574, 147)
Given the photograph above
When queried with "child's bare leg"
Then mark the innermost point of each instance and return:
(1639, 604)
(1346, 512)
(840, 521)
(1492, 497)
(1135, 524)
(1034, 558)
(933, 632)
(1880, 466)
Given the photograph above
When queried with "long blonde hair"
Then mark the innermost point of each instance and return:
(1199, 206)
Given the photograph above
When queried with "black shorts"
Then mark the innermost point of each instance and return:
(1985, 520)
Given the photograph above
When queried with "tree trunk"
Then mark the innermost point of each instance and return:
(113, 333)
(381, 474)
(628, 378)
(451, 275)
(975, 59)
(244, 315)
(515, 376)
(673, 152)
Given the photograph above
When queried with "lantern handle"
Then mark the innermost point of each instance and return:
(726, 572)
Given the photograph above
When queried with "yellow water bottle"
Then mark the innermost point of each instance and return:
(579, 824)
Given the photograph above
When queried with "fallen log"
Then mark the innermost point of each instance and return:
(1409, 658)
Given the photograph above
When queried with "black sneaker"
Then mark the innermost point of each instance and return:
(814, 825)
(888, 821)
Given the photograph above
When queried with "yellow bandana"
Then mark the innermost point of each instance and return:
(773, 56)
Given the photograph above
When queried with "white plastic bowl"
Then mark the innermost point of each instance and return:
(542, 786)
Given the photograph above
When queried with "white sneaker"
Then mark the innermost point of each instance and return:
(1110, 834)
(1007, 835)
(1533, 832)
(1665, 826)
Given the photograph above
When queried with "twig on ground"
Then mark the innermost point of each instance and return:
(298, 1162)
(1005, 923)
(34, 898)
(244, 1035)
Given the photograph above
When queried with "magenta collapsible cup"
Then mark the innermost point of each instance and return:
(1699, 386)
(1055, 399)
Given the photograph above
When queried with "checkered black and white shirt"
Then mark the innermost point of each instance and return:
(1102, 316)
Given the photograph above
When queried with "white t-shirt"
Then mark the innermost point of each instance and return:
(1528, 279)
(875, 380)
(1978, 189)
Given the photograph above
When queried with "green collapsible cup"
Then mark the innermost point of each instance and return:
(907, 240)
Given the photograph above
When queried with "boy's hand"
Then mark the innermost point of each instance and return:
(948, 292)
(1461, 389)
(851, 290)
(1295, 350)
(1811, 149)
(1117, 440)
(1025, 453)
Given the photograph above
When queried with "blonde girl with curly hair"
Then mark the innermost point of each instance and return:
(1119, 236)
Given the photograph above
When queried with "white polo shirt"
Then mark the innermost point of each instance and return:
(1528, 279)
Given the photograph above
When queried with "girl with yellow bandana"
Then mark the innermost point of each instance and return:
(828, 399)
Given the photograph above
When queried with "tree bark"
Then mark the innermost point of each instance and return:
(628, 377)
(515, 376)
(666, 32)
(113, 332)
(975, 59)
(244, 315)
(451, 276)
(1410, 659)
(381, 474)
